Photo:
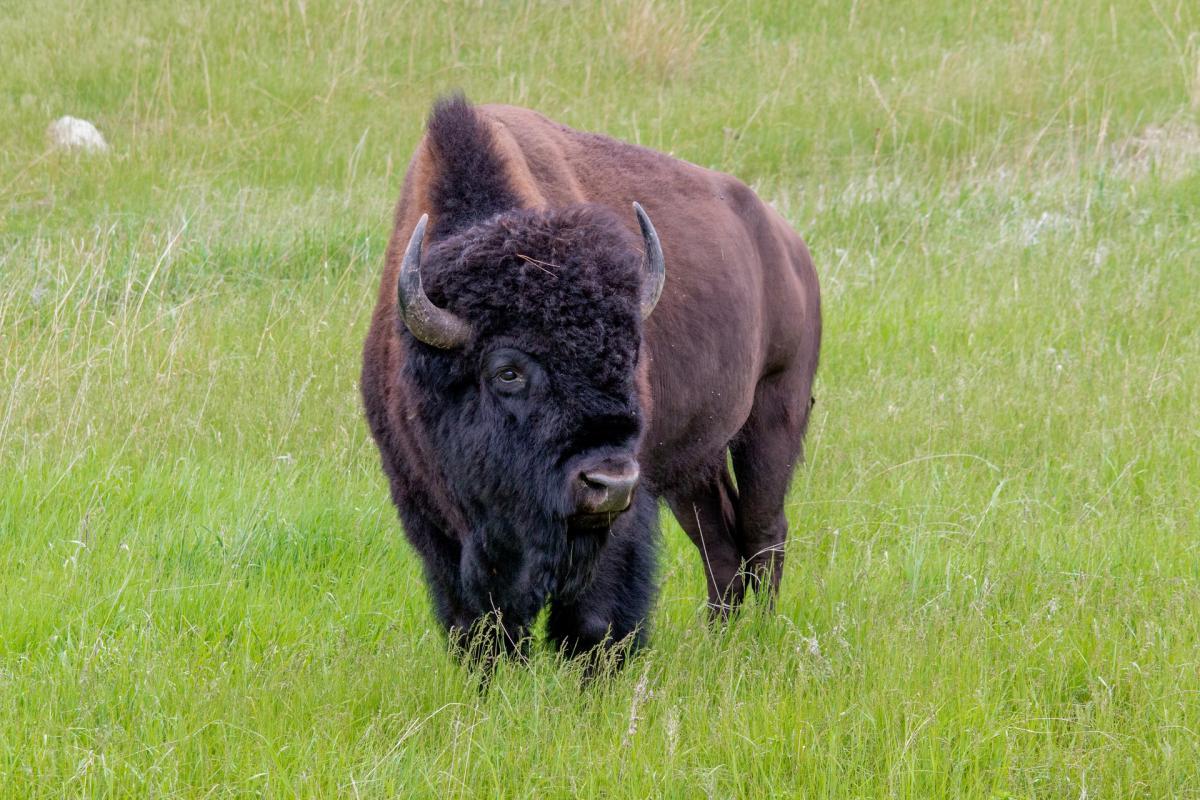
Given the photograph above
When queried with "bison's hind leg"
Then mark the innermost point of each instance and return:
(765, 454)
(608, 618)
(706, 509)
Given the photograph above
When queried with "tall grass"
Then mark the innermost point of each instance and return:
(992, 578)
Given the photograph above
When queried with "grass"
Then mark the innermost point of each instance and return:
(992, 581)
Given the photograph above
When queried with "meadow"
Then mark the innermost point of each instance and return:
(993, 579)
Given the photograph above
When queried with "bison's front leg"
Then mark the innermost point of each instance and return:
(482, 642)
(608, 618)
(441, 557)
(499, 603)
(463, 587)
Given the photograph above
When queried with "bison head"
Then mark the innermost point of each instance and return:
(522, 351)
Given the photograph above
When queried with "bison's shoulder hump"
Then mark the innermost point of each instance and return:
(469, 182)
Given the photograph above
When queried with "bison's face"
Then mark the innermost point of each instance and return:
(581, 432)
(534, 415)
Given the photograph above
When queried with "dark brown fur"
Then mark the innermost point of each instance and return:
(729, 354)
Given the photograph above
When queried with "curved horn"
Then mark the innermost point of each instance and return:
(434, 326)
(656, 268)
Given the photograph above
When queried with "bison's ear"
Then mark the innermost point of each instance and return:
(434, 326)
(654, 266)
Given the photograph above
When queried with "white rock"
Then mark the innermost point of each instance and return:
(69, 133)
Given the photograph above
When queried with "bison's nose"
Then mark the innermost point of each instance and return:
(607, 488)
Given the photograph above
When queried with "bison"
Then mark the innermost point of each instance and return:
(568, 329)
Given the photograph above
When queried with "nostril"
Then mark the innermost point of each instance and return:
(593, 482)
(607, 488)
(606, 479)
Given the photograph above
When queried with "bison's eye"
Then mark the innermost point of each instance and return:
(508, 371)
(509, 377)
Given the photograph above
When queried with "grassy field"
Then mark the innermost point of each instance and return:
(993, 584)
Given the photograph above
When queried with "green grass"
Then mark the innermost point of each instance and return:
(994, 574)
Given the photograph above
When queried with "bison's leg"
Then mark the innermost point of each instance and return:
(707, 511)
(500, 609)
(611, 612)
(765, 454)
(476, 634)
(440, 557)
(485, 641)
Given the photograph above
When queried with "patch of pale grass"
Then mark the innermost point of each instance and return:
(659, 39)
(1170, 150)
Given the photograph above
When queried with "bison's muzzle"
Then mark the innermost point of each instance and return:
(605, 489)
